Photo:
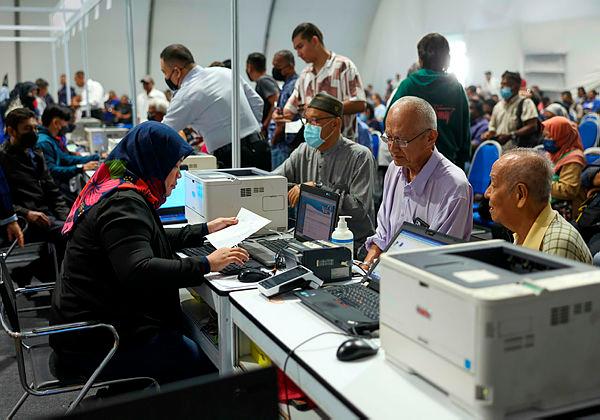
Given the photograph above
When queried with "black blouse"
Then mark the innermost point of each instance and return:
(120, 268)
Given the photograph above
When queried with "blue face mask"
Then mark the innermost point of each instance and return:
(506, 93)
(363, 117)
(312, 136)
(550, 145)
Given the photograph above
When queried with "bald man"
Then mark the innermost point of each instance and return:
(421, 183)
(519, 197)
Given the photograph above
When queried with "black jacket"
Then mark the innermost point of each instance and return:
(120, 268)
(31, 186)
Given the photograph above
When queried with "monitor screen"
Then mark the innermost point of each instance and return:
(177, 197)
(405, 241)
(316, 216)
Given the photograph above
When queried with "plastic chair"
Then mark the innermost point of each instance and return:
(486, 154)
(589, 130)
(592, 154)
(41, 381)
(591, 116)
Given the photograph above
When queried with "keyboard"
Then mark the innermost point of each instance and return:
(230, 270)
(275, 245)
(357, 296)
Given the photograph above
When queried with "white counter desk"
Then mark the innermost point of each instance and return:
(370, 387)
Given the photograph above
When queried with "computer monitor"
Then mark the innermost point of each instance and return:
(173, 210)
(410, 237)
(317, 214)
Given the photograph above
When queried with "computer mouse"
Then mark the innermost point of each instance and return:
(252, 275)
(354, 349)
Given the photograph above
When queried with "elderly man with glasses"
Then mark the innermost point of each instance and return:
(421, 185)
(332, 162)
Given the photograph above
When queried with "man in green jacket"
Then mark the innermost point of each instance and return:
(445, 94)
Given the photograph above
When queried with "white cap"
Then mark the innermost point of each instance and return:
(342, 222)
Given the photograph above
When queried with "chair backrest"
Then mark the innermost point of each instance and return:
(375, 139)
(589, 130)
(7, 293)
(486, 154)
(592, 154)
(590, 116)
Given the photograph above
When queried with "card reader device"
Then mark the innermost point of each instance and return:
(501, 328)
(327, 261)
(287, 280)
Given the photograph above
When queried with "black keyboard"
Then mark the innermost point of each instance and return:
(359, 297)
(275, 245)
(208, 249)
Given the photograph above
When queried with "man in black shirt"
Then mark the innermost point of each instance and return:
(266, 86)
(35, 195)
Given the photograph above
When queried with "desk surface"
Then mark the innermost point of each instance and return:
(373, 386)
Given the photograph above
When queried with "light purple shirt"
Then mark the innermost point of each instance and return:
(440, 195)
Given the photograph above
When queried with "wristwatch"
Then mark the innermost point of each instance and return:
(513, 135)
(318, 184)
(80, 167)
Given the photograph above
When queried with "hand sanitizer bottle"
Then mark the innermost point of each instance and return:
(343, 236)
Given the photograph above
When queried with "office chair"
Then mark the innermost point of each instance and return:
(589, 130)
(37, 356)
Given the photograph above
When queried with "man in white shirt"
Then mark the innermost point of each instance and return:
(202, 99)
(490, 86)
(143, 99)
(95, 92)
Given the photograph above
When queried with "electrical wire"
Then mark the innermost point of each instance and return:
(291, 352)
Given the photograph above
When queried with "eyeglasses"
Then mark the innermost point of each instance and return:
(313, 121)
(399, 142)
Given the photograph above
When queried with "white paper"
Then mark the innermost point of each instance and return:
(248, 224)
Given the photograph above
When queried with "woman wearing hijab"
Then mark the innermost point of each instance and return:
(23, 96)
(565, 150)
(120, 265)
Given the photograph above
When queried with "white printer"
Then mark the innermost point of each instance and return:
(502, 329)
(199, 162)
(222, 192)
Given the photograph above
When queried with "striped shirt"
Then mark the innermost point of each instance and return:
(552, 234)
(339, 77)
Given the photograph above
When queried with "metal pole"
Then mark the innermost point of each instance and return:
(17, 4)
(67, 68)
(149, 38)
(84, 58)
(235, 79)
(130, 53)
(54, 82)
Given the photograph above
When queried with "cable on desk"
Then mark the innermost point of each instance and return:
(287, 358)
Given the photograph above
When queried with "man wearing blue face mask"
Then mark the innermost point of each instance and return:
(332, 162)
(514, 119)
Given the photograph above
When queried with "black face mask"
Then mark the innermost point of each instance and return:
(171, 84)
(277, 75)
(63, 131)
(28, 140)
(248, 74)
(150, 117)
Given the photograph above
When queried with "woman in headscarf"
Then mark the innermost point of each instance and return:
(565, 150)
(23, 96)
(120, 265)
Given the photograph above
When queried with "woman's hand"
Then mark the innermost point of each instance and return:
(221, 223)
(222, 257)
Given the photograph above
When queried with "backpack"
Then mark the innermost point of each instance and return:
(530, 140)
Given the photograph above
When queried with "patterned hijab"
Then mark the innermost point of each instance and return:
(141, 162)
(570, 149)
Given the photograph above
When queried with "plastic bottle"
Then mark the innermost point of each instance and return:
(343, 236)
